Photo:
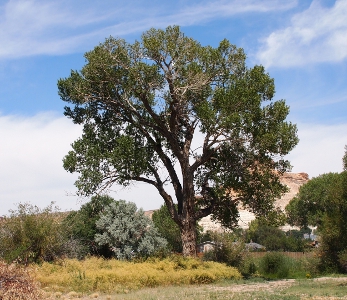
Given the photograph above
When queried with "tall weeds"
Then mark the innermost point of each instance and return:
(96, 274)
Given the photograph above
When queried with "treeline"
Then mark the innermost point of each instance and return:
(102, 227)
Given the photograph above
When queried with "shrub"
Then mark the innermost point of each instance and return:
(168, 228)
(227, 249)
(100, 275)
(343, 261)
(248, 267)
(31, 234)
(127, 231)
(274, 265)
(81, 228)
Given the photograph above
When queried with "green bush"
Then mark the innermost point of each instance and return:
(31, 234)
(274, 265)
(229, 249)
(81, 229)
(343, 261)
(249, 267)
(167, 228)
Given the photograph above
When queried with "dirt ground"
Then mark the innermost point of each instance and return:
(234, 288)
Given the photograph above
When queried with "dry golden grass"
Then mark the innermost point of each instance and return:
(16, 284)
(114, 276)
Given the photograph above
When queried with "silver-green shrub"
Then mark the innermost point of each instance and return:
(127, 231)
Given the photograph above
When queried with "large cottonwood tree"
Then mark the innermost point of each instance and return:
(166, 110)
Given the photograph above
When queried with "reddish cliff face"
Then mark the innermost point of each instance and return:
(293, 181)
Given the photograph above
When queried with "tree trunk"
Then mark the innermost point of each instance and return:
(188, 236)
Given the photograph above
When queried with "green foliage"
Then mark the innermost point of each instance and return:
(274, 265)
(80, 226)
(313, 201)
(31, 234)
(343, 260)
(248, 267)
(141, 105)
(344, 160)
(167, 228)
(127, 231)
(323, 202)
(229, 248)
(273, 238)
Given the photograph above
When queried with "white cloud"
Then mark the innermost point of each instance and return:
(31, 153)
(34, 27)
(317, 34)
(320, 149)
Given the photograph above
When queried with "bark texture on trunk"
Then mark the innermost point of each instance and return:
(188, 236)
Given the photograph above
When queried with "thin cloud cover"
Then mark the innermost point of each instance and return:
(34, 27)
(316, 35)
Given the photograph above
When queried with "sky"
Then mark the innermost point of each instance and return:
(302, 44)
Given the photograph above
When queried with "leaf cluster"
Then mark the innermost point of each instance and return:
(80, 225)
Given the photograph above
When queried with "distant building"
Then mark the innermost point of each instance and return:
(205, 246)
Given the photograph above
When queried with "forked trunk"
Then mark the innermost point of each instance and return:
(188, 236)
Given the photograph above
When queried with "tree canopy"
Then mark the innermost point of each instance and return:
(322, 202)
(166, 110)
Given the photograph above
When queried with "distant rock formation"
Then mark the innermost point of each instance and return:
(292, 180)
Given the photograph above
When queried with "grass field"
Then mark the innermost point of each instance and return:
(317, 289)
(171, 278)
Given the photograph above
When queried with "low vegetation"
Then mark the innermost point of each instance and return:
(100, 275)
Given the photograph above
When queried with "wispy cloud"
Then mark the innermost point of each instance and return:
(317, 34)
(34, 27)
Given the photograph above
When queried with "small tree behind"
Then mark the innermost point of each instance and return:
(81, 226)
(127, 231)
(168, 228)
(229, 248)
(322, 202)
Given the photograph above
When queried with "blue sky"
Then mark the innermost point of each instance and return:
(302, 44)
